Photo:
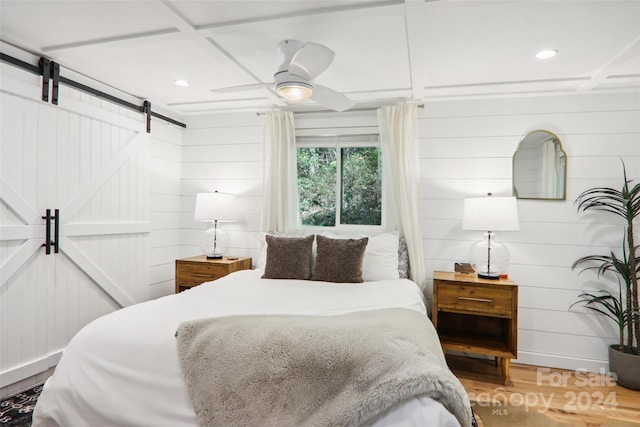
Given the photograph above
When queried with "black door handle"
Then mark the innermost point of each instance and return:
(56, 232)
(47, 239)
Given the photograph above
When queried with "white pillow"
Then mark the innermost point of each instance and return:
(380, 258)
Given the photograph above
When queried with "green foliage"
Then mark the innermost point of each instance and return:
(361, 186)
(317, 185)
(605, 303)
(360, 189)
(623, 308)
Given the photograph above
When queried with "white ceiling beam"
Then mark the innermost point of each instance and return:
(414, 16)
(602, 73)
(136, 39)
(177, 20)
(171, 33)
(301, 13)
(209, 45)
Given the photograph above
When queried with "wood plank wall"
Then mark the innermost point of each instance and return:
(223, 152)
(466, 149)
(165, 200)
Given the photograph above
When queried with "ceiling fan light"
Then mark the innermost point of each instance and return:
(294, 92)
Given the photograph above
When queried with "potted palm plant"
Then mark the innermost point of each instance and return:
(624, 357)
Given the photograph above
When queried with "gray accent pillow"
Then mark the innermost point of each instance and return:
(288, 257)
(339, 260)
(403, 259)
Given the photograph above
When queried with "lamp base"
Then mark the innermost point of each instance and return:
(490, 277)
(214, 242)
(489, 257)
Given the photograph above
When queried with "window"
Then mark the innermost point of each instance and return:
(340, 181)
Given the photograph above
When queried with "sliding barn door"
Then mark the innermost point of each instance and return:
(88, 165)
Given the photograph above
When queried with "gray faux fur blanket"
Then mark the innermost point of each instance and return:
(292, 370)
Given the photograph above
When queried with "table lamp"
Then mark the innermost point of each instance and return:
(488, 257)
(214, 207)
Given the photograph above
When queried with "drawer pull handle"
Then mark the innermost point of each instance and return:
(475, 299)
(200, 275)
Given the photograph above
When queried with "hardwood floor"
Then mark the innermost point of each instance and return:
(556, 395)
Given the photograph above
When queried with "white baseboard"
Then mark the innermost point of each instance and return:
(27, 375)
(562, 362)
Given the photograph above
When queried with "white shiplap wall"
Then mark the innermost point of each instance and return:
(223, 153)
(466, 149)
(165, 195)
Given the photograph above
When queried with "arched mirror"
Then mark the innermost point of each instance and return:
(540, 167)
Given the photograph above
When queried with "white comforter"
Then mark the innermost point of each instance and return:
(123, 370)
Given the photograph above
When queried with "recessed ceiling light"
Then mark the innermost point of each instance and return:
(182, 83)
(546, 53)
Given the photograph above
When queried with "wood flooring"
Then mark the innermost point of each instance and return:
(570, 397)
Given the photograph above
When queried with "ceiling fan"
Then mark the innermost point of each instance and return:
(294, 79)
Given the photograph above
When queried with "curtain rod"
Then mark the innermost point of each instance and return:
(339, 136)
(262, 113)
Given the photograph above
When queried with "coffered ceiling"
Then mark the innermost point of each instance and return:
(385, 51)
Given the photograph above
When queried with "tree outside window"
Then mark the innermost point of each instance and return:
(346, 177)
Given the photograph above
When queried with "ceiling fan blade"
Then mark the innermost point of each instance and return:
(331, 99)
(243, 88)
(311, 60)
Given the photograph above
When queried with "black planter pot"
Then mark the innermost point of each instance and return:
(626, 366)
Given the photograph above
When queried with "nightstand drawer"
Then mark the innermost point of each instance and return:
(199, 269)
(471, 298)
(195, 274)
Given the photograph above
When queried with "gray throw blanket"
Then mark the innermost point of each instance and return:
(290, 370)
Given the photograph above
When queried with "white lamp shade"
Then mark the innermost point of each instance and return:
(490, 214)
(214, 207)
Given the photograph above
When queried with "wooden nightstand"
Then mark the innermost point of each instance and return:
(478, 316)
(196, 270)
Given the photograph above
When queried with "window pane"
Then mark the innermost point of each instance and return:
(317, 185)
(361, 186)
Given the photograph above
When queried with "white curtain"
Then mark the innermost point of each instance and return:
(398, 133)
(280, 189)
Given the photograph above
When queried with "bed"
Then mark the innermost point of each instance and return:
(125, 369)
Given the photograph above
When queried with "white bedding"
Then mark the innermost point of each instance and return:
(123, 370)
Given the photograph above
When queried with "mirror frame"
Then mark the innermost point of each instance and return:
(513, 167)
